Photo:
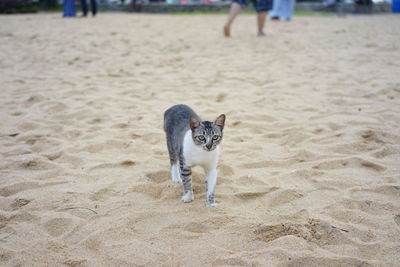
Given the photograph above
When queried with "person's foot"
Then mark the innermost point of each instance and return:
(227, 31)
(261, 34)
(275, 18)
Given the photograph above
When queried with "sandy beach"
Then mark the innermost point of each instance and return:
(309, 171)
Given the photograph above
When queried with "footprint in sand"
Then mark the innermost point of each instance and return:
(17, 113)
(220, 97)
(8, 204)
(103, 194)
(75, 263)
(231, 261)
(28, 126)
(53, 155)
(293, 139)
(158, 177)
(72, 134)
(316, 231)
(318, 131)
(121, 125)
(386, 151)
(274, 135)
(349, 163)
(266, 164)
(34, 99)
(19, 203)
(255, 194)
(282, 197)
(334, 126)
(53, 107)
(325, 261)
(225, 170)
(32, 139)
(151, 190)
(134, 136)
(371, 165)
(158, 190)
(152, 138)
(95, 120)
(269, 233)
(58, 226)
(10, 190)
(117, 144)
(371, 137)
(389, 190)
(120, 164)
(197, 228)
(397, 219)
(248, 180)
(36, 164)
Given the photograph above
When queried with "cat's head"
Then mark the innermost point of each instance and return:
(206, 133)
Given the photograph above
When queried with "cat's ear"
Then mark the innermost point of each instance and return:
(220, 121)
(193, 122)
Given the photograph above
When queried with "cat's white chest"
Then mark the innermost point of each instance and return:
(196, 155)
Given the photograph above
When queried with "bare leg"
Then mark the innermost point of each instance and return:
(233, 12)
(260, 23)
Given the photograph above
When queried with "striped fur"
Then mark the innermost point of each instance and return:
(192, 142)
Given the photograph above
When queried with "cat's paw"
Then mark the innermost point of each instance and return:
(188, 197)
(211, 205)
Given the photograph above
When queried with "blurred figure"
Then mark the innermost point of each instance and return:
(282, 9)
(261, 7)
(69, 8)
(136, 5)
(93, 6)
(328, 3)
(363, 6)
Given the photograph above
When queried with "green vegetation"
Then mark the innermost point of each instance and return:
(52, 9)
(25, 9)
(17, 6)
(27, 6)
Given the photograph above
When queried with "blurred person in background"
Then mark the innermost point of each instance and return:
(69, 8)
(282, 9)
(363, 6)
(261, 7)
(93, 7)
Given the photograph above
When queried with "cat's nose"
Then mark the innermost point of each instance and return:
(209, 146)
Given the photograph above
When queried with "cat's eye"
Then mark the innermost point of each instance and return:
(215, 137)
(201, 138)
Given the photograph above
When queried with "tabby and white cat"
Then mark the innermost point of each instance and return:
(192, 142)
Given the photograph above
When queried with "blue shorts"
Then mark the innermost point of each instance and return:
(259, 5)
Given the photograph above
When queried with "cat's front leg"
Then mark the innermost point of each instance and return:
(186, 175)
(175, 175)
(211, 181)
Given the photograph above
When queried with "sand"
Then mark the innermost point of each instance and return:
(309, 172)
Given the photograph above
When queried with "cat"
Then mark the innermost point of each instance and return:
(192, 142)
